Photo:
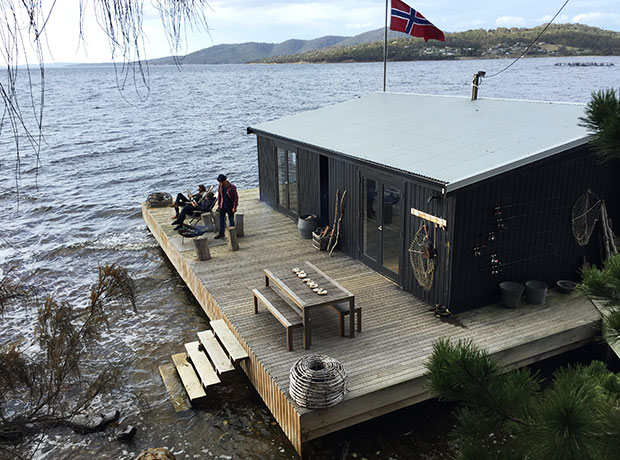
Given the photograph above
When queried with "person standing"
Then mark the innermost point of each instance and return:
(227, 201)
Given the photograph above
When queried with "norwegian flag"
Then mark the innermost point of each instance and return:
(406, 19)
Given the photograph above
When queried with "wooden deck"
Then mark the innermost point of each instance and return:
(385, 362)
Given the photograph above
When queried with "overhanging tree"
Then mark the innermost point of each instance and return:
(50, 387)
(23, 26)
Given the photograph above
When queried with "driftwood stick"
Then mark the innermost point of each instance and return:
(339, 224)
(606, 247)
(610, 244)
(332, 234)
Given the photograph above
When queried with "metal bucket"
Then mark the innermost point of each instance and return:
(511, 293)
(306, 225)
(535, 292)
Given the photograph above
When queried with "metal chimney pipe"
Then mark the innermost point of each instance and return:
(476, 83)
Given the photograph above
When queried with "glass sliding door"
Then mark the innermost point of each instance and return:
(287, 181)
(382, 226)
(392, 224)
(292, 183)
(370, 217)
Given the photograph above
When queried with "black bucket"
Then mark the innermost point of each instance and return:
(535, 292)
(306, 225)
(511, 293)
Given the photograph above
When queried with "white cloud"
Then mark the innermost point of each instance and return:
(598, 19)
(561, 19)
(510, 21)
(465, 25)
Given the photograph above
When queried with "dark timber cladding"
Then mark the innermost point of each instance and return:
(523, 222)
(503, 175)
(345, 174)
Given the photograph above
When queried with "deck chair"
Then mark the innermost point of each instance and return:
(194, 216)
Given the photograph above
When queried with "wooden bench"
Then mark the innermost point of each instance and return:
(342, 308)
(288, 316)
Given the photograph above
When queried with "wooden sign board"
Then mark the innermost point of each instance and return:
(429, 217)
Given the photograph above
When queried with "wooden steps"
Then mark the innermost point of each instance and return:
(226, 337)
(216, 352)
(175, 387)
(201, 363)
(192, 385)
(205, 361)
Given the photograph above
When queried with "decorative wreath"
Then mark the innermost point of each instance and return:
(317, 381)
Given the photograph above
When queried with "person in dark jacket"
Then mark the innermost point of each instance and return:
(227, 201)
(204, 206)
(191, 198)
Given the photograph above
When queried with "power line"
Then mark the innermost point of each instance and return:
(531, 44)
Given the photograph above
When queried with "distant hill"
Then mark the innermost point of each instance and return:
(251, 51)
(558, 40)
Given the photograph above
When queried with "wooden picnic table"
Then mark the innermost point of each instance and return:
(303, 297)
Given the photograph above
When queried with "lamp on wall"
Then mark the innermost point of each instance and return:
(434, 196)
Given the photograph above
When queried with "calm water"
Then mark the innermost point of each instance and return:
(104, 153)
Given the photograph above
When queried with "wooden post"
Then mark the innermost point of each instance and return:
(216, 222)
(239, 224)
(202, 247)
(233, 245)
(208, 220)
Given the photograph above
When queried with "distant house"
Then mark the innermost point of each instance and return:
(446, 196)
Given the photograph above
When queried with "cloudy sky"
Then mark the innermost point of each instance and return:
(273, 21)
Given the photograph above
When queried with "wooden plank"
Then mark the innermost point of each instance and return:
(288, 315)
(603, 310)
(192, 385)
(227, 338)
(201, 363)
(174, 386)
(215, 352)
(399, 329)
(429, 217)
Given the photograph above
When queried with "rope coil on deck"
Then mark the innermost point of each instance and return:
(317, 381)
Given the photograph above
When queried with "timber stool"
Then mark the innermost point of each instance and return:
(288, 316)
(342, 308)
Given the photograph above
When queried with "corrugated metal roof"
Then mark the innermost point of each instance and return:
(452, 140)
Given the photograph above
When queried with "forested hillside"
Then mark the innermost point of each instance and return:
(558, 40)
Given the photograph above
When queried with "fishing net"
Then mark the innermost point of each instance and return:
(158, 200)
(422, 257)
(586, 212)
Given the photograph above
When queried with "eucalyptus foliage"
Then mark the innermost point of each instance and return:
(53, 380)
(510, 415)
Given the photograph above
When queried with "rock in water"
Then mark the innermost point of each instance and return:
(157, 453)
(127, 434)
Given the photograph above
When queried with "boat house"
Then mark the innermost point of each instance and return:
(446, 196)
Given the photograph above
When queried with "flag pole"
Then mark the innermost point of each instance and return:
(385, 46)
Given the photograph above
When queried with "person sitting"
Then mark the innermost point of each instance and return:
(205, 205)
(183, 200)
